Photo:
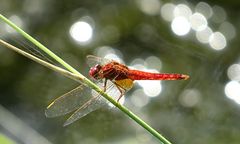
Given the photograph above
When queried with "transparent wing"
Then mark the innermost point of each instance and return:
(93, 104)
(68, 102)
(93, 60)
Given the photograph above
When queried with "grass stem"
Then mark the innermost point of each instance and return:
(76, 76)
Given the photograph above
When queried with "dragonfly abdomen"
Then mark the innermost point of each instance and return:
(140, 75)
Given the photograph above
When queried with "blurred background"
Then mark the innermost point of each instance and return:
(198, 38)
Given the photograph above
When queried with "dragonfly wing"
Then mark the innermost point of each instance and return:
(68, 102)
(93, 60)
(94, 103)
(91, 105)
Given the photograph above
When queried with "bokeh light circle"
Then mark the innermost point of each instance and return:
(232, 91)
(217, 41)
(150, 7)
(204, 8)
(234, 72)
(182, 10)
(167, 11)
(198, 22)
(228, 30)
(180, 26)
(81, 31)
(204, 35)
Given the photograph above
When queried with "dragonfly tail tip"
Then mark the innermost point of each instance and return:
(185, 77)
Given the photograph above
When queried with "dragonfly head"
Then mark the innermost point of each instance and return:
(94, 71)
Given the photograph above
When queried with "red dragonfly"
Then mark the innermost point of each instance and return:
(115, 78)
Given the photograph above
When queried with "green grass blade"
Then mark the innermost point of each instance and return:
(39, 45)
(87, 82)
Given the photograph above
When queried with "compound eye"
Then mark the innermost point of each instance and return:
(94, 71)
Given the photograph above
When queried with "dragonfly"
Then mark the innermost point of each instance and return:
(115, 78)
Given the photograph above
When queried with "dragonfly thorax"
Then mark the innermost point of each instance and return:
(94, 71)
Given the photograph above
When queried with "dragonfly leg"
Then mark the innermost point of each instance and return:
(105, 85)
(122, 93)
(121, 90)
